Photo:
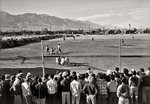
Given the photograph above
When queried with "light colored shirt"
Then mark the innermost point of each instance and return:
(124, 91)
(51, 86)
(58, 46)
(75, 88)
(112, 86)
(25, 89)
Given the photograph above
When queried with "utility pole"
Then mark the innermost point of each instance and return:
(120, 40)
(42, 53)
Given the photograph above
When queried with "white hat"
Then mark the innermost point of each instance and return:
(64, 74)
(109, 72)
(132, 70)
(28, 75)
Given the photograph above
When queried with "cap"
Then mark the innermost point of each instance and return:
(64, 74)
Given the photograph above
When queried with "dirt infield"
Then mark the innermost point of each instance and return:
(100, 54)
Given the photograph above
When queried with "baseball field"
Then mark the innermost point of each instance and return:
(100, 54)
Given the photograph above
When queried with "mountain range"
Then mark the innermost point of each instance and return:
(33, 21)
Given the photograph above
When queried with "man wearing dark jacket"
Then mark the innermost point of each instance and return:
(5, 90)
(41, 92)
(90, 90)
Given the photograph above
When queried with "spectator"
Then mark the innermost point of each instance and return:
(148, 72)
(33, 89)
(123, 92)
(116, 71)
(52, 89)
(112, 90)
(142, 73)
(17, 90)
(41, 92)
(118, 79)
(82, 83)
(59, 89)
(144, 90)
(89, 71)
(12, 79)
(101, 84)
(26, 90)
(126, 74)
(86, 77)
(134, 83)
(65, 84)
(75, 88)
(6, 90)
(90, 90)
(1, 89)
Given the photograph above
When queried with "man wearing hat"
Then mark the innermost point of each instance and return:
(90, 91)
(65, 84)
(26, 91)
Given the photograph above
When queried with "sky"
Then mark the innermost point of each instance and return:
(118, 13)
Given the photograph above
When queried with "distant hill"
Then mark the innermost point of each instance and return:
(33, 21)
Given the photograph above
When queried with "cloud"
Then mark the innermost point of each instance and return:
(138, 16)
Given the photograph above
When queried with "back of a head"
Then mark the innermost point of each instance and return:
(68, 71)
(142, 69)
(73, 73)
(82, 77)
(112, 77)
(74, 77)
(3, 77)
(36, 78)
(123, 80)
(46, 76)
(52, 76)
(133, 72)
(125, 71)
(86, 75)
(40, 80)
(116, 69)
(117, 75)
(100, 75)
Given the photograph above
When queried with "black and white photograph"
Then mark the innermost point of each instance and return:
(74, 51)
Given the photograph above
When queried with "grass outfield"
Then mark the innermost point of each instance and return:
(100, 54)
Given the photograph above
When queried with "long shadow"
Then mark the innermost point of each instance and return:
(35, 71)
(97, 69)
(75, 64)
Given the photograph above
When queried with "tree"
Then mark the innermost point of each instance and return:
(44, 31)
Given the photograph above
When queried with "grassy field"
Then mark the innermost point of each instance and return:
(101, 54)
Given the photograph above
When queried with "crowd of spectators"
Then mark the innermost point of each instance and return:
(112, 87)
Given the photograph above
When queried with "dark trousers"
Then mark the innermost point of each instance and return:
(112, 98)
(51, 99)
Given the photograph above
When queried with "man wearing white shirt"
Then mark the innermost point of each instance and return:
(112, 90)
(52, 89)
(75, 89)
